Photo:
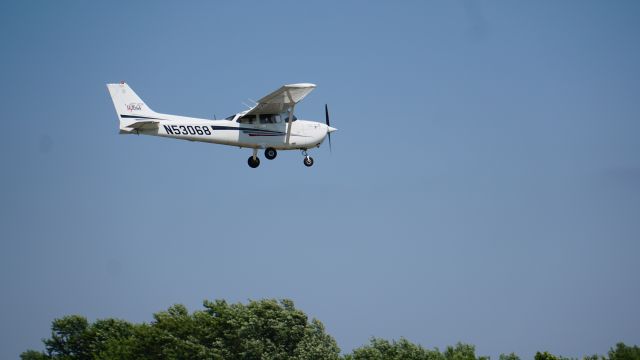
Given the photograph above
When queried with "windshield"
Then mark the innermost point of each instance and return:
(247, 119)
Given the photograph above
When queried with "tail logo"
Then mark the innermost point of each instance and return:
(134, 106)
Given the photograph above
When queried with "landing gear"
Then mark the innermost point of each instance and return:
(308, 160)
(254, 161)
(270, 153)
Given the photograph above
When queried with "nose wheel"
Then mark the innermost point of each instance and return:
(308, 160)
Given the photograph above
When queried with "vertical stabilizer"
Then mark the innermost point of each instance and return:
(127, 102)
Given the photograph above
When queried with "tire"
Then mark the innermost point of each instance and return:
(253, 163)
(308, 161)
(270, 153)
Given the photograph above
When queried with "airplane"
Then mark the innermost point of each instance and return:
(266, 125)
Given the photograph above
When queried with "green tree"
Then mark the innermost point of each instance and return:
(33, 355)
(380, 349)
(624, 352)
(511, 356)
(544, 356)
(69, 338)
(462, 352)
(266, 329)
(594, 357)
(548, 356)
(316, 344)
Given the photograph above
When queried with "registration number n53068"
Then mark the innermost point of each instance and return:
(187, 130)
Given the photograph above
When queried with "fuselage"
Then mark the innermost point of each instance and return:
(304, 134)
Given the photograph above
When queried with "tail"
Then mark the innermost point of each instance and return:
(129, 107)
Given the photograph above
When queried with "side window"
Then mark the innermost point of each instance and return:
(286, 118)
(248, 119)
(269, 118)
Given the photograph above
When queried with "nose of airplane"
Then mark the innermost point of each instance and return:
(331, 129)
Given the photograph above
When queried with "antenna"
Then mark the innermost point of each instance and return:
(214, 117)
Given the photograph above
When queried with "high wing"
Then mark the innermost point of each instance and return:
(282, 99)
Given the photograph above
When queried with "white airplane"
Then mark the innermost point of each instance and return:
(264, 126)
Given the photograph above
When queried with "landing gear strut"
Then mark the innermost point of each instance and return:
(308, 160)
(254, 161)
(270, 153)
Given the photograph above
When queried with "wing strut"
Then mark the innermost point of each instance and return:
(290, 116)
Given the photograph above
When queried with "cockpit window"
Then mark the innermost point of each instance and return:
(265, 119)
(247, 119)
(230, 117)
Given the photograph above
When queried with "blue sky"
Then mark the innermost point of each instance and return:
(484, 184)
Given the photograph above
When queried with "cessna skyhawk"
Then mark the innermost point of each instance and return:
(270, 124)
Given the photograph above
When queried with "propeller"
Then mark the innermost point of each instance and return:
(326, 118)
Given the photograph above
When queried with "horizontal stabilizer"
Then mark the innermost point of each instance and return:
(146, 124)
(135, 126)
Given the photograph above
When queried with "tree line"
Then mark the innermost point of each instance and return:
(264, 329)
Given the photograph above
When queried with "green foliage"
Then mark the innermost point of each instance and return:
(624, 352)
(265, 329)
(461, 352)
(33, 355)
(380, 349)
(544, 356)
(511, 356)
(69, 338)
(72, 337)
(316, 344)
(548, 356)
(594, 357)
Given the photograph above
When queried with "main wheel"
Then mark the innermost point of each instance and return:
(270, 153)
(253, 162)
(308, 161)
